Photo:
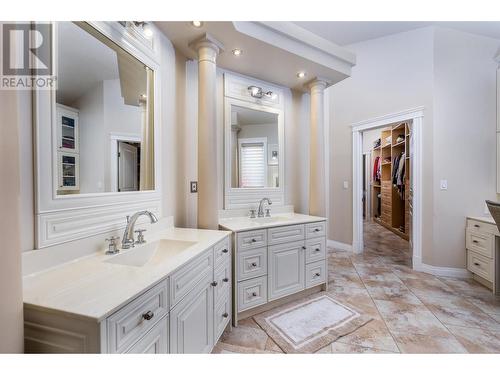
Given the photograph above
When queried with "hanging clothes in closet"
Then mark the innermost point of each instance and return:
(377, 169)
(398, 173)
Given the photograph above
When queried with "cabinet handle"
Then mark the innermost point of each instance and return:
(303, 247)
(254, 294)
(317, 249)
(477, 226)
(317, 230)
(477, 264)
(254, 264)
(475, 241)
(214, 283)
(254, 240)
(225, 250)
(148, 316)
(225, 315)
(225, 279)
(317, 274)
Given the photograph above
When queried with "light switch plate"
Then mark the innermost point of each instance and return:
(194, 186)
(443, 184)
(346, 184)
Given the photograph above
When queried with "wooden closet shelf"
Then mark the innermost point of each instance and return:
(376, 185)
(400, 126)
(402, 143)
(386, 163)
(387, 145)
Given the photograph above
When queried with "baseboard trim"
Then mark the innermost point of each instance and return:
(460, 273)
(339, 245)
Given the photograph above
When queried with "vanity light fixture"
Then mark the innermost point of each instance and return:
(256, 92)
(147, 29)
(301, 74)
(197, 24)
(237, 52)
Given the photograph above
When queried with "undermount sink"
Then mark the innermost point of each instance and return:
(154, 252)
(268, 220)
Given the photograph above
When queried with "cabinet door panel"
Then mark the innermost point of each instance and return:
(286, 269)
(153, 342)
(191, 321)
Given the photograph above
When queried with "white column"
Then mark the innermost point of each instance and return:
(317, 173)
(207, 49)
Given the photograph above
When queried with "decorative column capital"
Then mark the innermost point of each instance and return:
(317, 84)
(207, 47)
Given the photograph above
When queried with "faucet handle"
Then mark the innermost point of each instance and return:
(268, 212)
(140, 236)
(252, 213)
(112, 249)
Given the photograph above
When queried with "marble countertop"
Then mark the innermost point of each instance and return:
(241, 224)
(93, 288)
(484, 219)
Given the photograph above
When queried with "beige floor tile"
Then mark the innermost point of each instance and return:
(390, 290)
(357, 298)
(272, 346)
(490, 303)
(245, 336)
(345, 280)
(224, 348)
(496, 317)
(427, 344)
(342, 348)
(411, 318)
(372, 335)
(477, 340)
(248, 322)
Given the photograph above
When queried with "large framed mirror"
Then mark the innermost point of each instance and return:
(97, 132)
(254, 153)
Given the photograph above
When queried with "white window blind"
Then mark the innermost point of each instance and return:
(252, 164)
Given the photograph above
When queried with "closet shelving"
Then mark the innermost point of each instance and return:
(390, 206)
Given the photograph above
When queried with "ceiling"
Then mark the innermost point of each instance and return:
(265, 47)
(346, 32)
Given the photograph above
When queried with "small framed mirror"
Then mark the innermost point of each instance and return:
(254, 153)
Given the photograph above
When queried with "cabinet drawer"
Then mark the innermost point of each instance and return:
(482, 243)
(252, 263)
(222, 251)
(223, 280)
(480, 265)
(252, 293)
(315, 249)
(129, 323)
(252, 239)
(153, 342)
(185, 279)
(222, 315)
(315, 273)
(316, 229)
(285, 234)
(482, 227)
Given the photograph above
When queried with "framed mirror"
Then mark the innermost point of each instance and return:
(97, 132)
(254, 146)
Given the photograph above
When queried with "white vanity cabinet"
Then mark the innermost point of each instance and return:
(185, 312)
(276, 262)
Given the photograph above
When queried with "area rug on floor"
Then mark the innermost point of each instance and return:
(310, 324)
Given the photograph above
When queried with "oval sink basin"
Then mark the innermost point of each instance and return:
(267, 220)
(154, 252)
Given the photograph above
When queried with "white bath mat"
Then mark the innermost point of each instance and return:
(308, 325)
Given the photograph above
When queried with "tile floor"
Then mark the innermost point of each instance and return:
(412, 312)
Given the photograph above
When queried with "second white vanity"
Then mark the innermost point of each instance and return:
(275, 257)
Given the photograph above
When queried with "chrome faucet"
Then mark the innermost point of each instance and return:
(128, 235)
(260, 213)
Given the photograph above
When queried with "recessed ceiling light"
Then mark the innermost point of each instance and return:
(237, 52)
(148, 30)
(197, 23)
(301, 74)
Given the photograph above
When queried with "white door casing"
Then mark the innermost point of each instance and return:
(127, 167)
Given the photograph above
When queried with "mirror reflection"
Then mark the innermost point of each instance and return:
(254, 148)
(104, 115)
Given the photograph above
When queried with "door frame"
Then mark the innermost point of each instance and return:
(417, 115)
(368, 197)
(114, 138)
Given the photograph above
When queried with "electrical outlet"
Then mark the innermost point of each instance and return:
(443, 184)
(194, 186)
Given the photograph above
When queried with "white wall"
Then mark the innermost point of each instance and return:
(452, 75)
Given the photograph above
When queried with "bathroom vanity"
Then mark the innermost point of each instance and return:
(169, 295)
(275, 257)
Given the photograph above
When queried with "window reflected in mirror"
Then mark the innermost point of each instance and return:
(254, 148)
(103, 115)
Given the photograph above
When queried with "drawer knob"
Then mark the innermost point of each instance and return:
(225, 315)
(317, 230)
(225, 279)
(254, 264)
(303, 247)
(214, 283)
(317, 249)
(477, 264)
(477, 225)
(148, 316)
(254, 294)
(475, 241)
(225, 250)
(317, 274)
(254, 240)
